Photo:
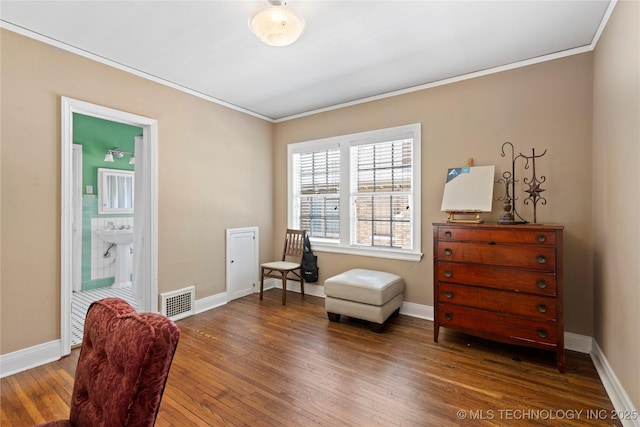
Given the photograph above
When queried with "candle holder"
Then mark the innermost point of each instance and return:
(510, 214)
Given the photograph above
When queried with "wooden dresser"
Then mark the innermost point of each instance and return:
(501, 282)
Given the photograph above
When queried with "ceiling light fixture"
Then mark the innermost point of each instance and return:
(276, 25)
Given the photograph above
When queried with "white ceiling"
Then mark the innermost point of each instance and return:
(350, 51)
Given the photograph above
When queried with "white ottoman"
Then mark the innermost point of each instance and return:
(364, 294)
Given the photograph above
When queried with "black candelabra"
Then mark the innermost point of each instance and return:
(510, 214)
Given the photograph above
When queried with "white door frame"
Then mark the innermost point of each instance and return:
(148, 297)
(76, 199)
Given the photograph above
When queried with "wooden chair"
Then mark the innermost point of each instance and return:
(291, 263)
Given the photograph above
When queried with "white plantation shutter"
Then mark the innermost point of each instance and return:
(381, 177)
(317, 192)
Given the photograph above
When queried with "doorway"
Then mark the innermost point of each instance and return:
(103, 193)
(145, 234)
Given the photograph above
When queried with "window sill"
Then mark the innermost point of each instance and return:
(368, 252)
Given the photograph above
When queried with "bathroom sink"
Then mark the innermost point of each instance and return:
(123, 263)
(116, 236)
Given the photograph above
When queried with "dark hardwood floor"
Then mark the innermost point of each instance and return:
(258, 363)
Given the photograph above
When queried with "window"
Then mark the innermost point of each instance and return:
(359, 193)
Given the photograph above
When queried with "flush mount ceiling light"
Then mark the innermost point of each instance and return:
(276, 25)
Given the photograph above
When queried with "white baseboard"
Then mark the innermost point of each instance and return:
(617, 394)
(217, 300)
(294, 286)
(21, 360)
(417, 310)
(579, 343)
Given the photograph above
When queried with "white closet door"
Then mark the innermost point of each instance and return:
(242, 261)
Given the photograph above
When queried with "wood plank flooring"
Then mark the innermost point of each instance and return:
(258, 363)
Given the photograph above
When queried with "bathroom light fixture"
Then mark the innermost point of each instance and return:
(276, 25)
(118, 154)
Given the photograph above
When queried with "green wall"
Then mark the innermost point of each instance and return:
(96, 137)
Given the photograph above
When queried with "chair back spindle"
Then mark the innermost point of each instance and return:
(293, 245)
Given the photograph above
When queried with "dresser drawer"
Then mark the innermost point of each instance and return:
(511, 328)
(535, 257)
(497, 235)
(537, 282)
(535, 306)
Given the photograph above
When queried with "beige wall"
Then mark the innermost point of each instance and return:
(616, 197)
(543, 106)
(214, 169)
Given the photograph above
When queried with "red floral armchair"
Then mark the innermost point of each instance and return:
(123, 367)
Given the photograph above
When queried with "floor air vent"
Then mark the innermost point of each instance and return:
(179, 304)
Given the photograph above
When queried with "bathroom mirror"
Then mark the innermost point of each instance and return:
(115, 191)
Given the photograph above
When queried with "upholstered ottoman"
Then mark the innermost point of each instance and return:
(364, 294)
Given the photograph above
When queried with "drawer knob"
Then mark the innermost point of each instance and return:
(542, 333)
(542, 308)
(541, 238)
(448, 294)
(447, 234)
(448, 273)
(448, 316)
(541, 284)
(541, 259)
(448, 251)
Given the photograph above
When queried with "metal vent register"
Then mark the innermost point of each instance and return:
(178, 304)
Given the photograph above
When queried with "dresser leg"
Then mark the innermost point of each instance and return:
(436, 330)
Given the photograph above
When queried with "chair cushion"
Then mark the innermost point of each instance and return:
(365, 286)
(281, 265)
